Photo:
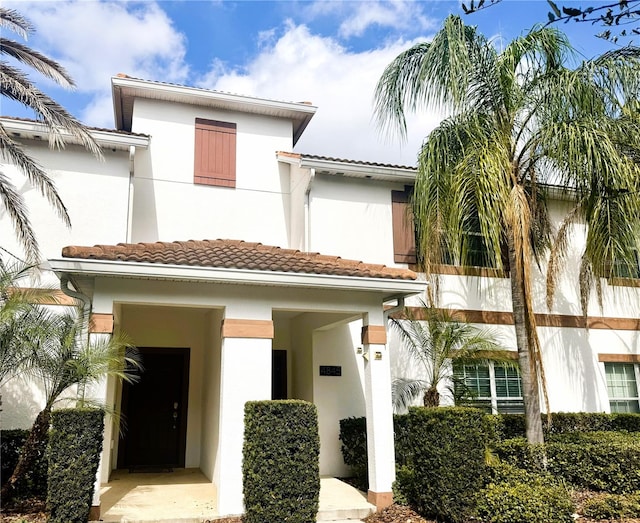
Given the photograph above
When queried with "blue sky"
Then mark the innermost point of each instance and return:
(328, 52)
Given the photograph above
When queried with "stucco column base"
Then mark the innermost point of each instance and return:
(94, 513)
(380, 499)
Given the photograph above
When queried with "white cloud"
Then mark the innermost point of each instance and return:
(96, 40)
(358, 16)
(302, 66)
(399, 15)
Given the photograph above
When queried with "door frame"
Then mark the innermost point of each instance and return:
(185, 352)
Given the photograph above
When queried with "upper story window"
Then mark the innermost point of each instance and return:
(493, 387)
(404, 236)
(404, 241)
(215, 153)
(622, 386)
(627, 270)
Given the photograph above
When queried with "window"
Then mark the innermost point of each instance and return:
(627, 270)
(404, 237)
(494, 387)
(215, 153)
(622, 386)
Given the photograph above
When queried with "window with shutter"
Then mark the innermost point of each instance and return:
(215, 153)
(404, 237)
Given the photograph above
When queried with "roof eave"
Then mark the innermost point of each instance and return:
(356, 170)
(299, 113)
(388, 287)
(106, 139)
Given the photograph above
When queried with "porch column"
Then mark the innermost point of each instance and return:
(101, 330)
(380, 446)
(245, 375)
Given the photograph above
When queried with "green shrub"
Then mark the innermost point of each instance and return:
(353, 438)
(519, 453)
(35, 482)
(353, 435)
(613, 506)
(401, 434)
(529, 500)
(597, 461)
(449, 466)
(75, 443)
(625, 421)
(280, 470)
(603, 461)
(513, 425)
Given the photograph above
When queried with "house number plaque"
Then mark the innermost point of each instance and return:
(330, 370)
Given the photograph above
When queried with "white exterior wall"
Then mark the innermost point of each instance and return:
(95, 193)
(352, 218)
(337, 397)
(168, 206)
(211, 393)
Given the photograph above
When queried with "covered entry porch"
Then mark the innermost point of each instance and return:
(187, 495)
(218, 333)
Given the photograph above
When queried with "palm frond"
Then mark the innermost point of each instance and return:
(41, 63)
(404, 392)
(14, 204)
(14, 21)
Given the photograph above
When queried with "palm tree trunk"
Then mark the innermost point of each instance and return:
(431, 397)
(28, 455)
(528, 372)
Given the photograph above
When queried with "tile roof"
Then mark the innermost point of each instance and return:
(355, 162)
(237, 255)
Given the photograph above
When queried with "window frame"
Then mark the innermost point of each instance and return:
(494, 399)
(405, 241)
(626, 280)
(612, 399)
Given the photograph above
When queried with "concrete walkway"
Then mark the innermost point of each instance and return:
(187, 496)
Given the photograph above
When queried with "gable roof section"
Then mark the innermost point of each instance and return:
(234, 254)
(126, 89)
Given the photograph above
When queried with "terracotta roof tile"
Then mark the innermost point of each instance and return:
(235, 254)
(356, 162)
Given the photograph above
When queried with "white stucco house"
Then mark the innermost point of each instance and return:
(245, 271)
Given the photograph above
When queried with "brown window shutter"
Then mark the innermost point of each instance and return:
(215, 153)
(404, 238)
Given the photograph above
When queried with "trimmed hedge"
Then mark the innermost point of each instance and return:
(35, 483)
(525, 501)
(75, 443)
(448, 447)
(613, 506)
(353, 435)
(353, 438)
(280, 469)
(513, 426)
(603, 461)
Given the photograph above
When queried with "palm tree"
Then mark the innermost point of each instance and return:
(434, 338)
(59, 358)
(519, 119)
(60, 125)
(17, 310)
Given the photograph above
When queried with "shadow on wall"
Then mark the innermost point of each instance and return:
(21, 403)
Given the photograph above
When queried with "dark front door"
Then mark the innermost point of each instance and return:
(279, 375)
(155, 411)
